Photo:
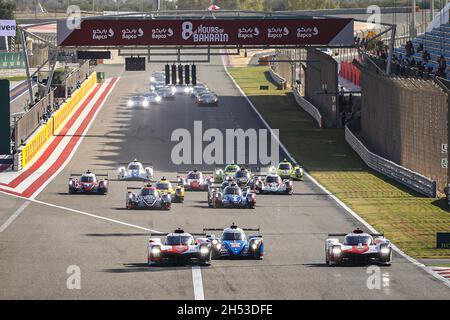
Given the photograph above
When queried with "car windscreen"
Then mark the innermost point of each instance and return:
(231, 168)
(233, 236)
(271, 179)
(242, 174)
(175, 240)
(284, 166)
(163, 185)
(353, 240)
(149, 192)
(232, 190)
(193, 176)
(133, 167)
(87, 179)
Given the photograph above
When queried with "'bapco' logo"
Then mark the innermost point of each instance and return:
(273, 33)
(307, 32)
(129, 34)
(102, 34)
(162, 33)
(248, 33)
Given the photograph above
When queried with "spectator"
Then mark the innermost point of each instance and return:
(350, 102)
(408, 48)
(426, 56)
(420, 47)
(442, 67)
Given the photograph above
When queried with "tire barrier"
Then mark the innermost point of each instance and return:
(350, 72)
(388, 168)
(36, 143)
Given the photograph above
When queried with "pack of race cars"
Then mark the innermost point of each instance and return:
(231, 187)
(160, 91)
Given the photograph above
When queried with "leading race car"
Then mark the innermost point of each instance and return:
(272, 184)
(147, 198)
(166, 92)
(231, 197)
(195, 181)
(358, 246)
(234, 243)
(88, 183)
(178, 247)
(135, 171)
(286, 170)
(165, 186)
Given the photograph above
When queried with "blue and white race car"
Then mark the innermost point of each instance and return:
(234, 243)
(231, 196)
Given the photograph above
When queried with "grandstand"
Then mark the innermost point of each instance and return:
(436, 42)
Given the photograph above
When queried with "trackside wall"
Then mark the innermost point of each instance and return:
(53, 125)
(405, 120)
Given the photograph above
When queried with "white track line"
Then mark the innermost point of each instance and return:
(14, 216)
(79, 212)
(198, 283)
(342, 204)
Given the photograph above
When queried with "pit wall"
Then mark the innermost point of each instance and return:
(35, 144)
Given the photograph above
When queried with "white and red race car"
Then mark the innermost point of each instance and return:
(271, 184)
(179, 247)
(88, 183)
(195, 181)
(358, 247)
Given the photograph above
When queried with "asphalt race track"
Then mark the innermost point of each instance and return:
(37, 248)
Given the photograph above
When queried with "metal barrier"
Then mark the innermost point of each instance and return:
(29, 122)
(400, 174)
(33, 146)
(308, 107)
(277, 78)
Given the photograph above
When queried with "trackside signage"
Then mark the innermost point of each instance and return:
(261, 32)
(7, 28)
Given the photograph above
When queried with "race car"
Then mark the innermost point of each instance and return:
(147, 198)
(207, 99)
(234, 243)
(288, 171)
(178, 247)
(158, 76)
(154, 87)
(358, 247)
(242, 177)
(198, 89)
(165, 186)
(231, 197)
(138, 101)
(88, 183)
(135, 171)
(166, 92)
(153, 97)
(272, 184)
(195, 181)
(184, 89)
(229, 171)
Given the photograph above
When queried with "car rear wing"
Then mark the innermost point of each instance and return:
(80, 174)
(163, 234)
(124, 164)
(344, 234)
(243, 229)
(204, 172)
